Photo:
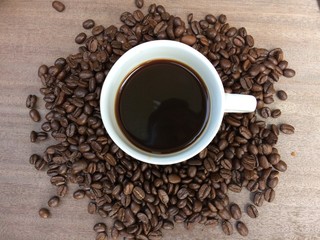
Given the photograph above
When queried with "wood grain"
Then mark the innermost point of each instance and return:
(32, 33)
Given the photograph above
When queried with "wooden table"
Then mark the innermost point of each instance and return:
(33, 33)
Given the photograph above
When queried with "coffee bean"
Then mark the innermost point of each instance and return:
(96, 30)
(92, 208)
(189, 40)
(101, 236)
(182, 193)
(31, 101)
(44, 213)
(282, 95)
(79, 194)
(163, 196)
(100, 227)
(88, 24)
(80, 38)
(281, 166)
(289, 73)
(224, 214)
(275, 113)
(242, 229)
(265, 112)
(252, 211)
(269, 195)
(138, 193)
(235, 211)
(173, 178)
(287, 129)
(227, 228)
(59, 6)
(34, 115)
(54, 202)
(258, 199)
(62, 190)
(139, 3)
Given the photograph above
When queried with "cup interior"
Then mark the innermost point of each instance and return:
(162, 49)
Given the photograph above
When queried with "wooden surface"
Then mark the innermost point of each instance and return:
(32, 33)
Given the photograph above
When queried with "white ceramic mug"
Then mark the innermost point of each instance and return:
(220, 102)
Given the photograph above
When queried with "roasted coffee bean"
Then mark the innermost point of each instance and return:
(275, 113)
(281, 166)
(31, 101)
(265, 112)
(92, 208)
(258, 199)
(139, 3)
(224, 214)
(62, 190)
(173, 178)
(88, 24)
(269, 195)
(235, 211)
(80, 38)
(44, 213)
(289, 73)
(287, 129)
(34, 158)
(34, 115)
(189, 40)
(252, 211)
(100, 227)
(282, 95)
(59, 6)
(79, 194)
(102, 236)
(138, 193)
(227, 227)
(54, 202)
(242, 229)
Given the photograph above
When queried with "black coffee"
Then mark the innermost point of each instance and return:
(162, 106)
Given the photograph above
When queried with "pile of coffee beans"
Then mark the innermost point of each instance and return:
(144, 199)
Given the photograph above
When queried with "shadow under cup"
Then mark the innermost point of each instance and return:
(169, 50)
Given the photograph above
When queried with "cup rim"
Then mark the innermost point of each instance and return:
(170, 158)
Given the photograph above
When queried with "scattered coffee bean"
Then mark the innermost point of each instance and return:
(252, 211)
(54, 202)
(34, 115)
(100, 227)
(287, 129)
(269, 195)
(282, 95)
(242, 229)
(139, 3)
(79, 194)
(227, 227)
(44, 213)
(80, 38)
(258, 199)
(289, 73)
(88, 24)
(59, 6)
(31, 101)
(235, 211)
(102, 236)
(276, 113)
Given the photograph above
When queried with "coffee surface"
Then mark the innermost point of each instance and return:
(162, 106)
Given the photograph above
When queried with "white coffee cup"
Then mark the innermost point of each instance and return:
(220, 102)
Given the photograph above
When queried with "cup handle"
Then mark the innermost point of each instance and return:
(239, 103)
